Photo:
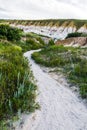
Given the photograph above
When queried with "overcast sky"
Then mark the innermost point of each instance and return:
(43, 9)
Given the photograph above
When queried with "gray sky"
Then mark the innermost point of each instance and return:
(43, 9)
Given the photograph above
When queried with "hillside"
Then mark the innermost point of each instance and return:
(76, 41)
(20, 77)
(57, 29)
(17, 85)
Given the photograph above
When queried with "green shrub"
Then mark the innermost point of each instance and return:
(83, 90)
(51, 42)
(75, 34)
(12, 34)
(84, 35)
(17, 90)
(81, 69)
(40, 41)
(32, 44)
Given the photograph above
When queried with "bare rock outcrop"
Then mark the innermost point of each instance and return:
(77, 41)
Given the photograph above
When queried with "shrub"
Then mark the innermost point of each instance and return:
(32, 44)
(51, 42)
(83, 90)
(76, 34)
(40, 41)
(17, 90)
(84, 35)
(12, 34)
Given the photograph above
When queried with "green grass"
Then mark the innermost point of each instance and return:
(17, 84)
(32, 42)
(17, 90)
(70, 60)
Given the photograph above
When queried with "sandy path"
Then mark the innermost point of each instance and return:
(60, 108)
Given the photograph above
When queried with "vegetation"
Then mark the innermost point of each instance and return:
(51, 42)
(84, 35)
(76, 34)
(71, 60)
(17, 85)
(17, 37)
(30, 41)
(10, 33)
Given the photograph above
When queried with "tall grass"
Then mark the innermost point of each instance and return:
(17, 86)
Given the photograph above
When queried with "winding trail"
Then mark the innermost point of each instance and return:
(60, 107)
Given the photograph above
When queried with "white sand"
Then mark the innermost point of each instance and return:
(60, 107)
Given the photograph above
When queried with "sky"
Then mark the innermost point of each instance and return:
(43, 9)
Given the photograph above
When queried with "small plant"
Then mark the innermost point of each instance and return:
(51, 42)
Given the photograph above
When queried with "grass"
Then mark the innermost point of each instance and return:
(17, 84)
(30, 41)
(70, 59)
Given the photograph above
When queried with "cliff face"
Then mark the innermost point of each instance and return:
(57, 29)
(79, 41)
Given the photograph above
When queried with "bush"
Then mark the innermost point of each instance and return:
(40, 41)
(84, 35)
(32, 44)
(83, 90)
(76, 34)
(51, 42)
(12, 34)
(17, 90)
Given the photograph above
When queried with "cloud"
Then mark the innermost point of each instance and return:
(43, 9)
(2, 9)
